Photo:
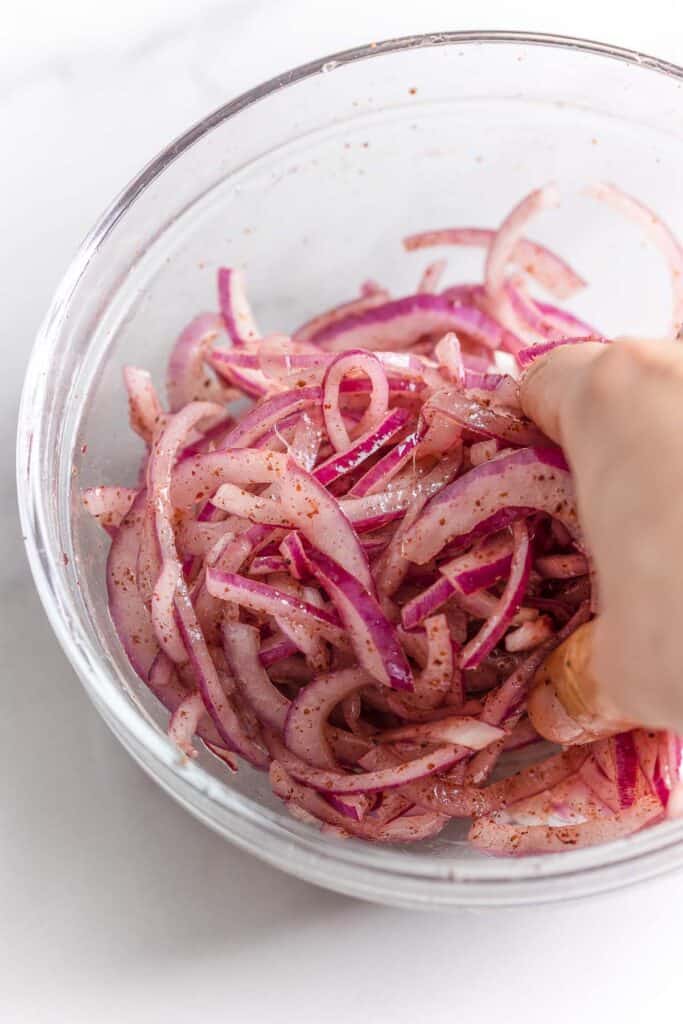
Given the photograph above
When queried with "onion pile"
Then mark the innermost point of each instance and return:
(351, 579)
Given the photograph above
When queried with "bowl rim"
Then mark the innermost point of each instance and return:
(351, 866)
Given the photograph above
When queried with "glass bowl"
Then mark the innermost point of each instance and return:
(309, 182)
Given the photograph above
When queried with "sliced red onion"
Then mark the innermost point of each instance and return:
(295, 557)
(363, 447)
(131, 619)
(305, 730)
(264, 565)
(311, 645)
(658, 232)
(164, 683)
(198, 478)
(353, 361)
(230, 727)
(271, 411)
(449, 355)
(328, 781)
(429, 282)
(528, 355)
(604, 788)
(276, 650)
(504, 839)
(260, 597)
(510, 600)
(505, 704)
(109, 505)
(234, 599)
(626, 762)
(459, 730)
(398, 324)
(401, 829)
(483, 565)
(146, 414)
(414, 612)
(482, 451)
(498, 387)
(309, 331)
(320, 519)
(235, 309)
(569, 325)
(483, 420)
(385, 469)
(308, 436)
(184, 723)
(530, 314)
(531, 478)
(464, 801)
(503, 244)
(442, 435)
(242, 649)
(549, 269)
(209, 440)
(186, 376)
(439, 679)
(523, 735)
(529, 635)
(392, 567)
(159, 473)
(253, 383)
(562, 567)
(370, 632)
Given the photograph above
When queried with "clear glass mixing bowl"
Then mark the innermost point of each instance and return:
(309, 182)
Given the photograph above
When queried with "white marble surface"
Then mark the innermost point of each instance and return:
(114, 904)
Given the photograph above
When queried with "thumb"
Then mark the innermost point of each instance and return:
(543, 389)
(567, 705)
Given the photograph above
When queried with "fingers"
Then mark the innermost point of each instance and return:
(567, 705)
(544, 386)
(617, 411)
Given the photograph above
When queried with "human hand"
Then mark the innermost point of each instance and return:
(617, 411)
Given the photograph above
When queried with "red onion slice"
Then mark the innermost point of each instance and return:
(487, 421)
(433, 272)
(626, 762)
(109, 505)
(660, 234)
(242, 649)
(235, 309)
(530, 478)
(309, 331)
(320, 518)
(511, 599)
(327, 781)
(363, 448)
(550, 270)
(398, 324)
(528, 355)
(268, 413)
(562, 567)
(483, 565)
(184, 723)
(459, 730)
(371, 634)
(186, 376)
(305, 730)
(260, 597)
(504, 243)
(355, 360)
(504, 839)
(144, 408)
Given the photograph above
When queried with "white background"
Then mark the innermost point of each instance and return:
(114, 904)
